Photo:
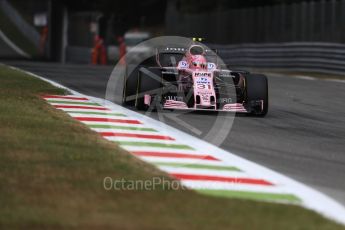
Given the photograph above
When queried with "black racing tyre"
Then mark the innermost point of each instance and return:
(256, 90)
(147, 83)
(130, 85)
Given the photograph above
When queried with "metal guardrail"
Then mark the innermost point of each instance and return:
(328, 58)
(295, 56)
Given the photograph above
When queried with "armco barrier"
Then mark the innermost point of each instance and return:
(295, 56)
(317, 57)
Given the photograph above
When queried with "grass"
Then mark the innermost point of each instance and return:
(16, 36)
(52, 170)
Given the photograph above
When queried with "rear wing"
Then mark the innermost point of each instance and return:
(164, 54)
(169, 56)
(183, 50)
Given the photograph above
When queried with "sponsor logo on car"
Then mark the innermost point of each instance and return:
(203, 80)
(224, 100)
(202, 74)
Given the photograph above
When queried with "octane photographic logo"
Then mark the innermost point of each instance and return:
(155, 183)
(146, 55)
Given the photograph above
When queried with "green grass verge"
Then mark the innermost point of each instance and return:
(17, 37)
(52, 169)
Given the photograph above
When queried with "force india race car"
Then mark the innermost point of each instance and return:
(188, 79)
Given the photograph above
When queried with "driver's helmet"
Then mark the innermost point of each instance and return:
(196, 57)
(198, 62)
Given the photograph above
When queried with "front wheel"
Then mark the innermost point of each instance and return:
(130, 85)
(257, 94)
(148, 81)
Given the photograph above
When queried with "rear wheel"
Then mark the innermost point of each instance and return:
(257, 92)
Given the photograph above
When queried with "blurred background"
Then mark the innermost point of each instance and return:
(305, 35)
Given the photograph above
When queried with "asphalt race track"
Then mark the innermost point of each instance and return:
(303, 135)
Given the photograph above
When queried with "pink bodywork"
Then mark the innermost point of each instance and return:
(234, 107)
(202, 73)
(204, 93)
(147, 99)
(203, 87)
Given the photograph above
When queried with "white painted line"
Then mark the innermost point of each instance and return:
(141, 140)
(206, 172)
(112, 123)
(306, 78)
(221, 173)
(233, 186)
(67, 104)
(336, 80)
(82, 105)
(155, 160)
(165, 150)
(58, 97)
(119, 117)
(67, 110)
(64, 100)
(100, 130)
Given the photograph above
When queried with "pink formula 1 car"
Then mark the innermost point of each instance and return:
(191, 79)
